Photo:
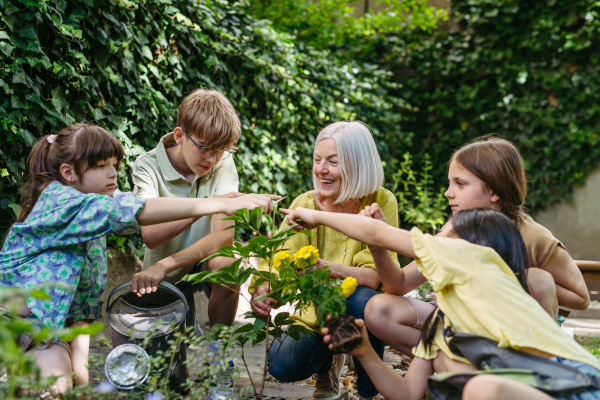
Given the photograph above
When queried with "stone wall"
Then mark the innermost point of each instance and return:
(577, 223)
(121, 268)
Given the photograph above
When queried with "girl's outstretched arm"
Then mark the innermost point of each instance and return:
(166, 209)
(366, 230)
(392, 386)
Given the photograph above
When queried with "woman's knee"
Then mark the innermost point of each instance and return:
(357, 302)
(377, 314)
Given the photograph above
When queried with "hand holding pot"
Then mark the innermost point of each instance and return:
(147, 281)
(359, 350)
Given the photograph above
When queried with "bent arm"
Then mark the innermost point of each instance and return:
(155, 235)
(396, 280)
(364, 276)
(571, 290)
(201, 249)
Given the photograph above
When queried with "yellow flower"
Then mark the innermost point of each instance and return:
(307, 254)
(281, 257)
(349, 286)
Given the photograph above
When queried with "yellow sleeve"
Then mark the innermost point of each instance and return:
(293, 244)
(446, 261)
(389, 206)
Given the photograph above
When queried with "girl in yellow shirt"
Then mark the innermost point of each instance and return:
(476, 266)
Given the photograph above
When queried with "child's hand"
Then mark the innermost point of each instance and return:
(249, 201)
(303, 218)
(373, 211)
(358, 351)
(147, 281)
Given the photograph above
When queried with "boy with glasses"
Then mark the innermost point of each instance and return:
(193, 161)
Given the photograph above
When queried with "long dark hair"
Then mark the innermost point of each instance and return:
(81, 145)
(498, 163)
(490, 228)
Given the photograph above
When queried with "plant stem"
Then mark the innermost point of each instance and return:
(264, 377)
(277, 352)
(249, 374)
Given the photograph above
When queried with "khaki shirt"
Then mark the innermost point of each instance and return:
(540, 243)
(154, 176)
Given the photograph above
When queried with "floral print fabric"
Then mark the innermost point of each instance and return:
(63, 240)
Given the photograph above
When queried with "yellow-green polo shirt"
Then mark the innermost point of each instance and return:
(154, 176)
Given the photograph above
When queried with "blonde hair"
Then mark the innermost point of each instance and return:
(362, 172)
(210, 116)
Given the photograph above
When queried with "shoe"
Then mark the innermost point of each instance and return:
(328, 384)
(224, 386)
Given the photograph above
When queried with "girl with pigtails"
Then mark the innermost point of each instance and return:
(60, 236)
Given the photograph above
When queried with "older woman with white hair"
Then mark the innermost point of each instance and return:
(347, 176)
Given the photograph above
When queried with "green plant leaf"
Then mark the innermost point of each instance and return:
(256, 218)
(259, 323)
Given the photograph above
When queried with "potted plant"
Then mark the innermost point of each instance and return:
(288, 283)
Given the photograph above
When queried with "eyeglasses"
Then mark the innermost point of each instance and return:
(205, 153)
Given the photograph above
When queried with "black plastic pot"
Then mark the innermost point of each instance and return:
(156, 315)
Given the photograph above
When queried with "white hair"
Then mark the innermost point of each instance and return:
(362, 172)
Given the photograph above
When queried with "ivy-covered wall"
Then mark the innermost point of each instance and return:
(529, 70)
(128, 65)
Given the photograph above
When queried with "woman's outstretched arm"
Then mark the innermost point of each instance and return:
(365, 230)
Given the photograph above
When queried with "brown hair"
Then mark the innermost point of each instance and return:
(210, 116)
(81, 145)
(498, 163)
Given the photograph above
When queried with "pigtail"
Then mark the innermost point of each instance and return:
(40, 174)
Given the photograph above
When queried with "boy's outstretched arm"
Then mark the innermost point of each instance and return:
(392, 386)
(366, 230)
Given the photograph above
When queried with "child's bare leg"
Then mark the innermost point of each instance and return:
(55, 361)
(490, 387)
(391, 318)
(80, 350)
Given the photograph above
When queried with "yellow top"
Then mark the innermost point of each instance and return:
(334, 246)
(480, 295)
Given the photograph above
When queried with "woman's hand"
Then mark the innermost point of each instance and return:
(234, 201)
(319, 264)
(373, 211)
(303, 218)
(362, 347)
(147, 281)
(261, 307)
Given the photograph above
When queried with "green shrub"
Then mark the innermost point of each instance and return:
(128, 65)
(524, 69)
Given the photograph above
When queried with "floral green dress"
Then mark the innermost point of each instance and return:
(63, 240)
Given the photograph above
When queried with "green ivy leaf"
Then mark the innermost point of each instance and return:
(58, 99)
(28, 32)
